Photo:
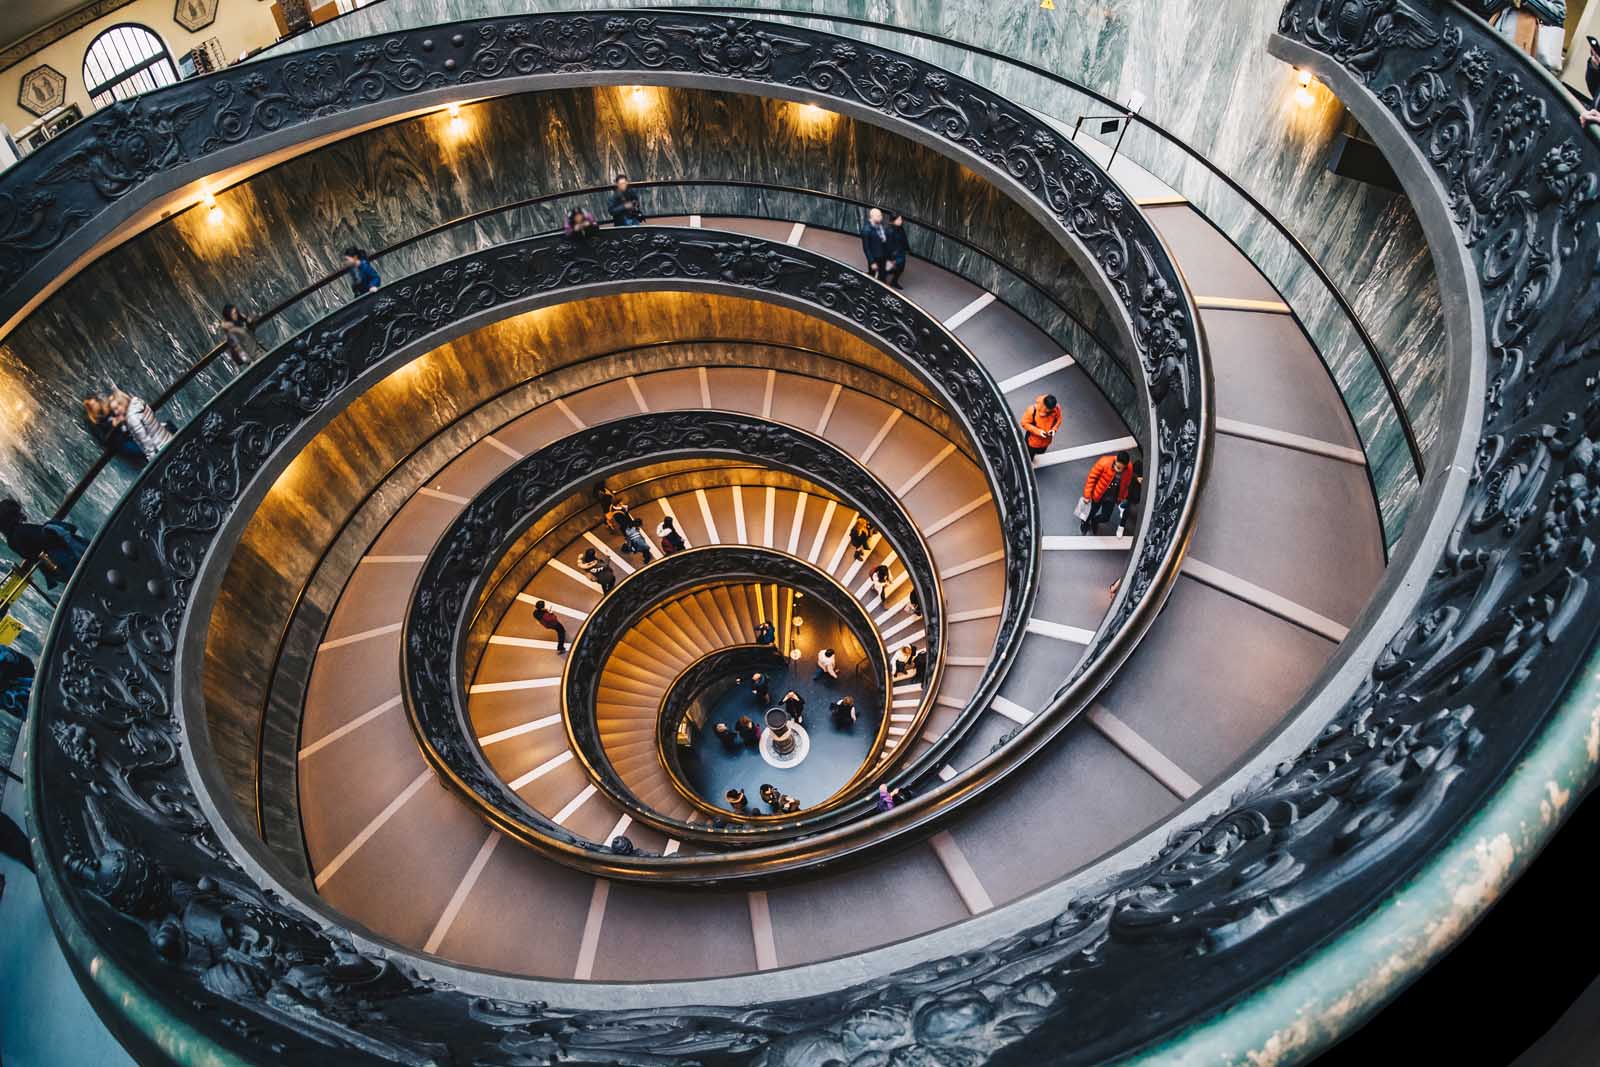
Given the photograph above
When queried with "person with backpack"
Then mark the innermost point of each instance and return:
(1040, 423)
(672, 541)
(598, 569)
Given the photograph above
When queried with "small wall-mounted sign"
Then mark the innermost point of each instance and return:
(195, 15)
(42, 90)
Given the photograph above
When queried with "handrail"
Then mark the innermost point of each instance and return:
(1390, 387)
(127, 730)
(453, 579)
(673, 577)
(693, 678)
(194, 370)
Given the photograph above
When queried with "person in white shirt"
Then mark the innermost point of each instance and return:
(146, 430)
(826, 665)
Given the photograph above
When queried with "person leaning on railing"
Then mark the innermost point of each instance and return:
(236, 326)
(111, 435)
(56, 545)
(136, 416)
(363, 275)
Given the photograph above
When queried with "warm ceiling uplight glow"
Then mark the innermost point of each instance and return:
(213, 209)
(1303, 95)
(454, 110)
(813, 117)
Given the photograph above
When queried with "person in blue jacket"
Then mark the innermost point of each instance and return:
(363, 275)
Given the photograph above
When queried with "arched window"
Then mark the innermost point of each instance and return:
(124, 61)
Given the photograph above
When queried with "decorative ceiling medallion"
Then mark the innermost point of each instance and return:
(43, 89)
(195, 15)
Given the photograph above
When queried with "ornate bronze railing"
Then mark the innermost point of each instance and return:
(453, 579)
(640, 592)
(730, 661)
(147, 877)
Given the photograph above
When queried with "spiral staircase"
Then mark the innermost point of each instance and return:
(1190, 768)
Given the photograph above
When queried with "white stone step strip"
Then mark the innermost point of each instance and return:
(974, 615)
(494, 442)
(797, 524)
(878, 438)
(531, 776)
(926, 469)
(458, 899)
(821, 540)
(638, 396)
(957, 515)
(960, 871)
(1033, 374)
(574, 573)
(706, 517)
(1092, 449)
(1235, 303)
(364, 635)
(1142, 752)
(1076, 635)
(741, 535)
(572, 806)
(1265, 599)
(514, 686)
(972, 565)
(1011, 710)
(350, 727)
(440, 494)
(798, 232)
(761, 931)
(827, 410)
(1296, 442)
(523, 642)
(371, 829)
(517, 731)
(589, 943)
(1084, 543)
(572, 416)
(960, 318)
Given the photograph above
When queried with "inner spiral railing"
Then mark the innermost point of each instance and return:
(452, 581)
(635, 596)
(164, 892)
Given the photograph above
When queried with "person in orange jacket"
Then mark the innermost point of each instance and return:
(1108, 484)
(1040, 422)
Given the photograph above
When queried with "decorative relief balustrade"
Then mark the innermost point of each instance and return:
(449, 588)
(147, 878)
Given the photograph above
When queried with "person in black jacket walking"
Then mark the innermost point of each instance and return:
(875, 244)
(897, 247)
(56, 545)
(624, 204)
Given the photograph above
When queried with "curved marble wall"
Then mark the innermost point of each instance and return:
(144, 311)
(1204, 71)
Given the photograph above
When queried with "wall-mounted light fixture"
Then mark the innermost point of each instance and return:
(458, 125)
(1303, 95)
(213, 209)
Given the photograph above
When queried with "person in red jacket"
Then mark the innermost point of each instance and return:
(1108, 484)
(1040, 422)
